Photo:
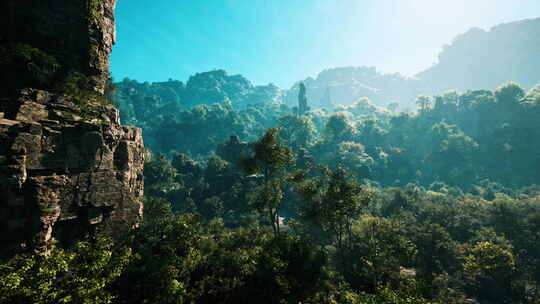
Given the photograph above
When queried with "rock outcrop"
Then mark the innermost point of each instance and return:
(68, 168)
(79, 34)
(66, 171)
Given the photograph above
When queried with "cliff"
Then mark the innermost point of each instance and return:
(56, 38)
(68, 168)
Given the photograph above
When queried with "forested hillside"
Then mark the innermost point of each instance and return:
(200, 89)
(459, 138)
(355, 187)
(355, 206)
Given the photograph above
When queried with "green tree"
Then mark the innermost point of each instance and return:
(378, 249)
(270, 159)
(84, 274)
(331, 204)
(509, 94)
(423, 103)
(489, 270)
(533, 96)
(339, 128)
(159, 176)
(437, 252)
(297, 131)
(205, 262)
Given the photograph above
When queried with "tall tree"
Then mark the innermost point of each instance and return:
(423, 103)
(270, 159)
(332, 202)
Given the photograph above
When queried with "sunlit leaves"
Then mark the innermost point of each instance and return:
(79, 276)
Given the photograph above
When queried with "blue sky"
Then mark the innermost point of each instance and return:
(282, 41)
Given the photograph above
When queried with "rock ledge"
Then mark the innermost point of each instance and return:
(66, 171)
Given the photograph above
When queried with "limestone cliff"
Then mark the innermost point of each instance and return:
(68, 168)
(77, 34)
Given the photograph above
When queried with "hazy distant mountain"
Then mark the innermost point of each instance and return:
(482, 59)
(478, 59)
(343, 86)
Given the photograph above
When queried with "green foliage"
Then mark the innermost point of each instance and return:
(377, 252)
(436, 254)
(82, 275)
(390, 245)
(331, 204)
(456, 227)
(386, 295)
(296, 131)
(207, 263)
(533, 96)
(448, 140)
(489, 270)
(423, 103)
(266, 199)
(94, 9)
(159, 176)
(339, 128)
(414, 235)
(80, 88)
(25, 66)
(270, 158)
(510, 93)
(156, 209)
(343, 243)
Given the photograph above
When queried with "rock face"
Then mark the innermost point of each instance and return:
(79, 34)
(66, 172)
(68, 168)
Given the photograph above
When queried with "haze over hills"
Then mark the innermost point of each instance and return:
(477, 59)
(345, 85)
(486, 59)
